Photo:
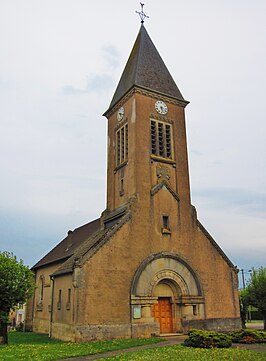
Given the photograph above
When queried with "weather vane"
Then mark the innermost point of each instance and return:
(141, 14)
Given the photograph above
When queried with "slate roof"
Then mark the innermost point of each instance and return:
(68, 245)
(91, 245)
(146, 69)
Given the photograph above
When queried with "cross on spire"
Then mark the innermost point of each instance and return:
(141, 14)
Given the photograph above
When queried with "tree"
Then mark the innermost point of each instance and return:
(16, 286)
(257, 291)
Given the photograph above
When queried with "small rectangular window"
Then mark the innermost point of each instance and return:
(41, 289)
(166, 225)
(59, 299)
(69, 295)
(68, 303)
(121, 191)
(166, 222)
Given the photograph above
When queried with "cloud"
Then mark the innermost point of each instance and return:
(244, 201)
(70, 90)
(111, 54)
(30, 234)
(97, 84)
(5, 82)
(100, 83)
(196, 152)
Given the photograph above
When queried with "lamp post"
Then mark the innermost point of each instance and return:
(243, 278)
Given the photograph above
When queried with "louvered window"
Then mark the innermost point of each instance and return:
(161, 139)
(122, 145)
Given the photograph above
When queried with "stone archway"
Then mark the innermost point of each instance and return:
(165, 291)
(164, 310)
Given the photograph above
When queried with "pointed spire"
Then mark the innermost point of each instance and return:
(146, 69)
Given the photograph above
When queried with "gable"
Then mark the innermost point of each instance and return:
(164, 185)
(215, 245)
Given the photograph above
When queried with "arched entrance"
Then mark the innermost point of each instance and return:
(166, 292)
(162, 312)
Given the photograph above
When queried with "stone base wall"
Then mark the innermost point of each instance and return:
(63, 332)
(102, 332)
(28, 326)
(141, 330)
(213, 324)
(40, 326)
(71, 333)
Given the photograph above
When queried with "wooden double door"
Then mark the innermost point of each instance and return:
(162, 313)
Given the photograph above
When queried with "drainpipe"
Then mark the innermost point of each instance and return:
(33, 301)
(131, 315)
(52, 304)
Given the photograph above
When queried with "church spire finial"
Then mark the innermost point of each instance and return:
(141, 14)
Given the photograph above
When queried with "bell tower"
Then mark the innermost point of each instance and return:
(147, 146)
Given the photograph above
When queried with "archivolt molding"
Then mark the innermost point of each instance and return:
(169, 275)
(160, 274)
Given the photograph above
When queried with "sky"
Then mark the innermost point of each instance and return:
(59, 66)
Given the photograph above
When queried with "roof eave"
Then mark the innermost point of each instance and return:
(49, 263)
(155, 93)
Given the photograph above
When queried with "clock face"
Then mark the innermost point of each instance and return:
(120, 114)
(161, 107)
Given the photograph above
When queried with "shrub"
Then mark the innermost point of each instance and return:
(20, 327)
(247, 336)
(207, 339)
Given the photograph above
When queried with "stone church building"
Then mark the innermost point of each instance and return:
(147, 266)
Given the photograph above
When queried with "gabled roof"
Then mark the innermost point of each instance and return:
(91, 245)
(215, 245)
(68, 245)
(146, 69)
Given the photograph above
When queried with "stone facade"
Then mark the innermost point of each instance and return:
(151, 267)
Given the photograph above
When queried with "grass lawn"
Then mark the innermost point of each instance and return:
(36, 347)
(182, 353)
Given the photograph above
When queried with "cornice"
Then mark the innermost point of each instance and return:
(146, 92)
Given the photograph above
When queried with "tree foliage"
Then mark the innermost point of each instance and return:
(16, 286)
(257, 291)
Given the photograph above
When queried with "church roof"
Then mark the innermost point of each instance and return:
(146, 69)
(68, 245)
(92, 244)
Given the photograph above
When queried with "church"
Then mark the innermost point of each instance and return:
(146, 266)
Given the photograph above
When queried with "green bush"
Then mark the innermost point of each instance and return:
(20, 327)
(247, 336)
(207, 339)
